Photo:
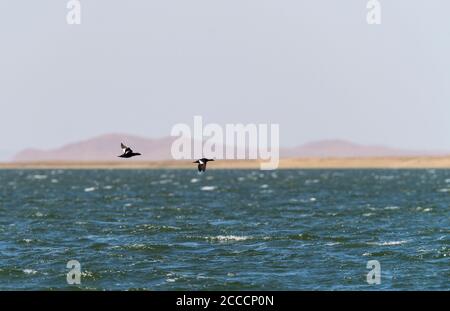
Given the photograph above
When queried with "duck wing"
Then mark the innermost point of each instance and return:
(201, 167)
(125, 149)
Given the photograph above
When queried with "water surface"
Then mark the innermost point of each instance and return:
(225, 229)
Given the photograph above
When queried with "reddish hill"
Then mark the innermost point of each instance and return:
(101, 148)
(341, 148)
(107, 148)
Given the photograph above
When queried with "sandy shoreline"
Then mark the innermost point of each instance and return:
(298, 163)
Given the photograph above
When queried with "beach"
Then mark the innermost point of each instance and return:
(437, 162)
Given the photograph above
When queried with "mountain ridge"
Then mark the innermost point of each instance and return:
(106, 147)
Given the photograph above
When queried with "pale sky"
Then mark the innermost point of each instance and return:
(313, 66)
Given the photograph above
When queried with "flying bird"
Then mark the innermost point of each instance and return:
(202, 164)
(127, 152)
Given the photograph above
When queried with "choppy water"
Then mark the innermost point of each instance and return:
(231, 230)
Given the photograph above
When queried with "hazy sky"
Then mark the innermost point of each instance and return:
(313, 66)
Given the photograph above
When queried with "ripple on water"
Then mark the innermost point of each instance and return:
(156, 228)
(144, 247)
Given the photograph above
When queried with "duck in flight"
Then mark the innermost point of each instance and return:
(127, 152)
(202, 164)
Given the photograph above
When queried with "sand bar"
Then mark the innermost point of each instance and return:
(297, 163)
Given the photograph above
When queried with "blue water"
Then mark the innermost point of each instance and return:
(225, 229)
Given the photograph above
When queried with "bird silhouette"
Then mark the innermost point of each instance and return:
(202, 164)
(127, 152)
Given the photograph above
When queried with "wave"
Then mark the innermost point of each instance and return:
(143, 247)
(157, 228)
(391, 208)
(388, 243)
(29, 271)
(228, 238)
(38, 177)
(444, 190)
(425, 210)
(208, 188)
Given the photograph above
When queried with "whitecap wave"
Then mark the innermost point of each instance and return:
(388, 243)
(208, 188)
(38, 177)
(228, 238)
(391, 208)
(29, 271)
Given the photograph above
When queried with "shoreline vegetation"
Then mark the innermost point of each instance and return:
(428, 162)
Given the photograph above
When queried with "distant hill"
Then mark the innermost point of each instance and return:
(101, 148)
(341, 148)
(107, 148)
